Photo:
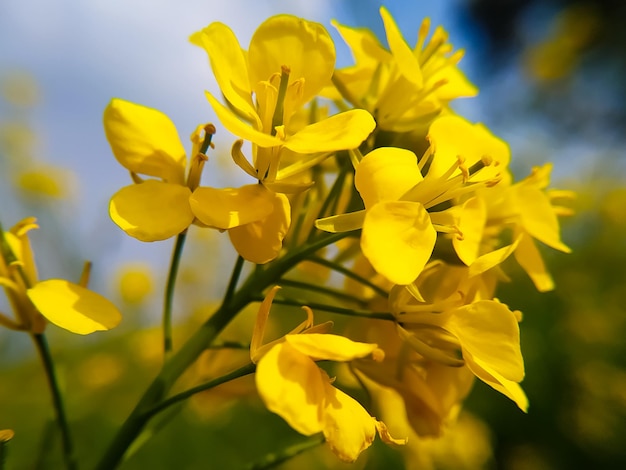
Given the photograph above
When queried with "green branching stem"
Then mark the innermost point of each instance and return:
(276, 458)
(242, 371)
(348, 273)
(57, 400)
(329, 291)
(260, 279)
(168, 301)
(334, 309)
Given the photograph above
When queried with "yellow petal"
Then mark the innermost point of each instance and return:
(472, 219)
(341, 223)
(489, 331)
(402, 53)
(152, 210)
(342, 131)
(290, 385)
(241, 129)
(261, 241)
(508, 388)
(322, 347)
(398, 239)
(73, 307)
(231, 207)
(529, 258)
(303, 46)
(229, 66)
(348, 427)
(492, 259)
(18, 240)
(538, 217)
(386, 174)
(144, 141)
(453, 137)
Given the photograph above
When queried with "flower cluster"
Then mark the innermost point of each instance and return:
(416, 197)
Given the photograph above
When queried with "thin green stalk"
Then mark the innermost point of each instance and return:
(57, 400)
(242, 371)
(333, 309)
(276, 458)
(346, 272)
(257, 281)
(331, 198)
(168, 301)
(323, 290)
(234, 279)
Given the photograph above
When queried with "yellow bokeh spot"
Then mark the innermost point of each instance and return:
(135, 283)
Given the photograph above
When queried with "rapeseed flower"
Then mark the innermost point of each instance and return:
(294, 387)
(403, 87)
(403, 209)
(34, 302)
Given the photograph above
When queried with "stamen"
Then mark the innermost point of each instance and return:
(438, 39)
(277, 118)
(421, 35)
(195, 170)
(209, 132)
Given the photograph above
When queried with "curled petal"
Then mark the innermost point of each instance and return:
(228, 62)
(241, 129)
(398, 239)
(152, 210)
(231, 207)
(330, 347)
(508, 388)
(262, 240)
(342, 131)
(529, 258)
(291, 385)
(73, 307)
(386, 174)
(348, 427)
(489, 331)
(144, 141)
(538, 217)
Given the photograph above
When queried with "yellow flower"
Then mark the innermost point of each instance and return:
(145, 141)
(486, 333)
(404, 87)
(288, 62)
(528, 208)
(61, 302)
(400, 221)
(294, 387)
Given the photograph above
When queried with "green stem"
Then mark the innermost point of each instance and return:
(258, 281)
(57, 400)
(276, 458)
(323, 290)
(169, 293)
(346, 272)
(242, 371)
(234, 279)
(333, 309)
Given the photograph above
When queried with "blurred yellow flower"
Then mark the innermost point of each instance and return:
(68, 305)
(404, 87)
(135, 283)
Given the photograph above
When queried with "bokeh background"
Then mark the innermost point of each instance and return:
(551, 77)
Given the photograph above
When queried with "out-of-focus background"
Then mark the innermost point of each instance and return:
(550, 74)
